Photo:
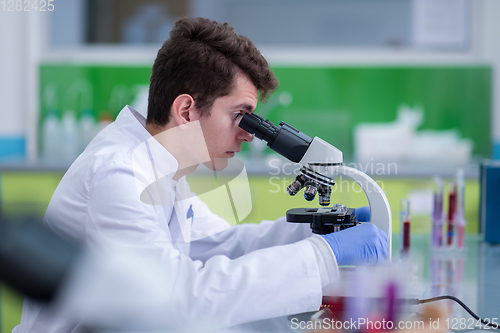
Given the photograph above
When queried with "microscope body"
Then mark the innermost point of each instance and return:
(321, 163)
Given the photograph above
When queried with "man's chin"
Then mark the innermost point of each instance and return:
(217, 164)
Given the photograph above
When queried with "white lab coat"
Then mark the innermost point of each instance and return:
(233, 275)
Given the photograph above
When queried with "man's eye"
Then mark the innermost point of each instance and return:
(236, 115)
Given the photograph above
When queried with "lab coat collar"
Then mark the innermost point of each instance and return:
(148, 152)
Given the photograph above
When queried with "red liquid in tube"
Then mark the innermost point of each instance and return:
(406, 236)
(451, 217)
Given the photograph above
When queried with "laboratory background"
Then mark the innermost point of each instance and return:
(408, 90)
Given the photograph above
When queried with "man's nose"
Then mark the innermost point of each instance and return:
(246, 136)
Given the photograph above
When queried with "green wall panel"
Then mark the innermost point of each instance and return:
(327, 101)
(102, 79)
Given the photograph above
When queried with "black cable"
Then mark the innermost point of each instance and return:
(453, 298)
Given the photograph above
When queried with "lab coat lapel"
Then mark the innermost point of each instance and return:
(180, 223)
(182, 208)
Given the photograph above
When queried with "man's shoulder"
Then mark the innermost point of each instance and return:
(119, 138)
(110, 149)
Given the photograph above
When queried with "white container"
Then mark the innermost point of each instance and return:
(70, 137)
(88, 129)
(51, 138)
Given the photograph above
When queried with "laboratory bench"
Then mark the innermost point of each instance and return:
(470, 274)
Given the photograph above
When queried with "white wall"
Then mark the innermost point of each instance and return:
(23, 36)
(13, 59)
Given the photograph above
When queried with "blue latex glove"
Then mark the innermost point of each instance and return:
(362, 213)
(362, 244)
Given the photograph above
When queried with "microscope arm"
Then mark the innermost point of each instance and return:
(321, 152)
(380, 211)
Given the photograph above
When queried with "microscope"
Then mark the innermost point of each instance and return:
(321, 163)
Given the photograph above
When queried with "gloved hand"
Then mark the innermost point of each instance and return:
(362, 213)
(362, 244)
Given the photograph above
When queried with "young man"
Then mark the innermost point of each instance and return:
(127, 190)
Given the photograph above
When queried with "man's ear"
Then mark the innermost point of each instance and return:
(183, 109)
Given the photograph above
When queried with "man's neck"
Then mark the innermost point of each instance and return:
(170, 138)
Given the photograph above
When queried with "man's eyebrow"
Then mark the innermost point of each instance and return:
(244, 106)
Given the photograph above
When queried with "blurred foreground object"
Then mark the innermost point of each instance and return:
(34, 260)
(104, 290)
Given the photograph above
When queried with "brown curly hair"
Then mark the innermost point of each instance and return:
(201, 58)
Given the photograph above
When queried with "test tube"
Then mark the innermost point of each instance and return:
(451, 213)
(391, 294)
(437, 215)
(405, 225)
(460, 212)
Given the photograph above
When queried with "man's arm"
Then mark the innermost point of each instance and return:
(266, 283)
(242, 239)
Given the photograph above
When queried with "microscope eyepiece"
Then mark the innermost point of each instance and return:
(250, 122)
(283, 139)
(263, 129)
